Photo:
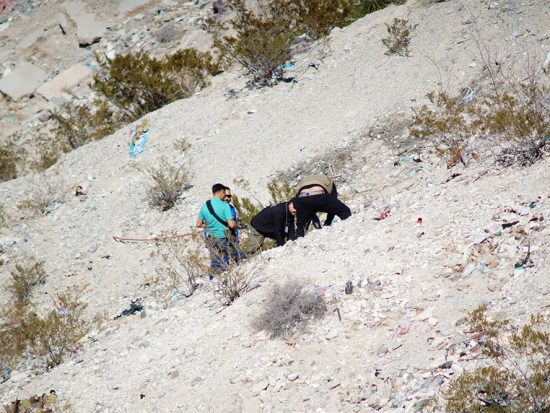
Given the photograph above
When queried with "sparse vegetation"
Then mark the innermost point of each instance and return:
(44, 196)
(233, 282)
(514, 376)
(518, 124)
(288, 309)
(79, 124)
(261, 41)
(168, 184)
(8, 166)
(2, 215)
(24, 278)
(399, 37)
(182, 145)
(24, 332)
(183, 262)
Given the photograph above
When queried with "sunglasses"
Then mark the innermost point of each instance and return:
(227, 196)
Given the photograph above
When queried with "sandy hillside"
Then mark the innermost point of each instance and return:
(412, 282)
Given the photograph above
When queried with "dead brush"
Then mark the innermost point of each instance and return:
(24, 278)
(8, 163)
(399, 37)
(50, 336)
(183, 262)
(288, 309)
(233, 283)
(168, 184)
(46, 194)
(514, 374)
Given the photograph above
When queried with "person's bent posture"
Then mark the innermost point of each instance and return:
(275, 222)
(317, 193)
(215, 215)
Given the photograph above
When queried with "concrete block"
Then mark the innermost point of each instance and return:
(22, 81)
(88, 29)
(128, 5)
(64, 81)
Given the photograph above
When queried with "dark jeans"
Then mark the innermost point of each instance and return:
(222, 252)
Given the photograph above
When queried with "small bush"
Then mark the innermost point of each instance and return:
(8, 165)
(2, 215)
(518, 124)
(24, 278)
(182, 145)
(281, 191)
(260, 43)
(183, 262)
(137, 84)
(168, 184)
(515, 375)
(45, 196)
(288, 309)
(24, 332)
(233, 283)
(79, 124)
(317, 17)
(399, 37)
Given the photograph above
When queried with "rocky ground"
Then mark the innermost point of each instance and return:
(397, 341)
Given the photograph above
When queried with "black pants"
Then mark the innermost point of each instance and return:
(308, 206)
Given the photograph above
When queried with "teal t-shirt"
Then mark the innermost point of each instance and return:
(222, 209)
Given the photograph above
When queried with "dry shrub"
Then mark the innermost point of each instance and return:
(518, 124)
(515, 374)
(182, 145)
(2, 215)
(45, 195)
(168, 184)
(24, 278)
(8, 165)
(234, 282)
(288, 309)
(399, 37)
(76, 125)
(136, 84)
(259, 42)
(23, 332)
(183, 262)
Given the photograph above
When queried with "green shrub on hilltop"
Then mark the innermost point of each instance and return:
(136, 84)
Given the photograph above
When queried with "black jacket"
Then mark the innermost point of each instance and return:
(308, 206)
(274, 221)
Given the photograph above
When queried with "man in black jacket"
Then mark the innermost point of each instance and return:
(317, 193)
(275, 222)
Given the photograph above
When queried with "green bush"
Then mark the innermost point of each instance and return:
(260, 43)
(515, 374)
(317, 17)
(137, 84)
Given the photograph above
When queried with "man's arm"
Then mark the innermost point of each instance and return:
(201, 223)
(279, 225)
(335, 207)
(232, 224)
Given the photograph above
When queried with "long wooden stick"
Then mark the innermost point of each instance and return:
(154, 239)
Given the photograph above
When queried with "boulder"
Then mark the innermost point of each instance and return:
(88, 29)
(22, 81)
(128, 5)
(64, 81)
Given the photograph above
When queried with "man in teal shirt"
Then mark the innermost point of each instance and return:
(215, 215)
